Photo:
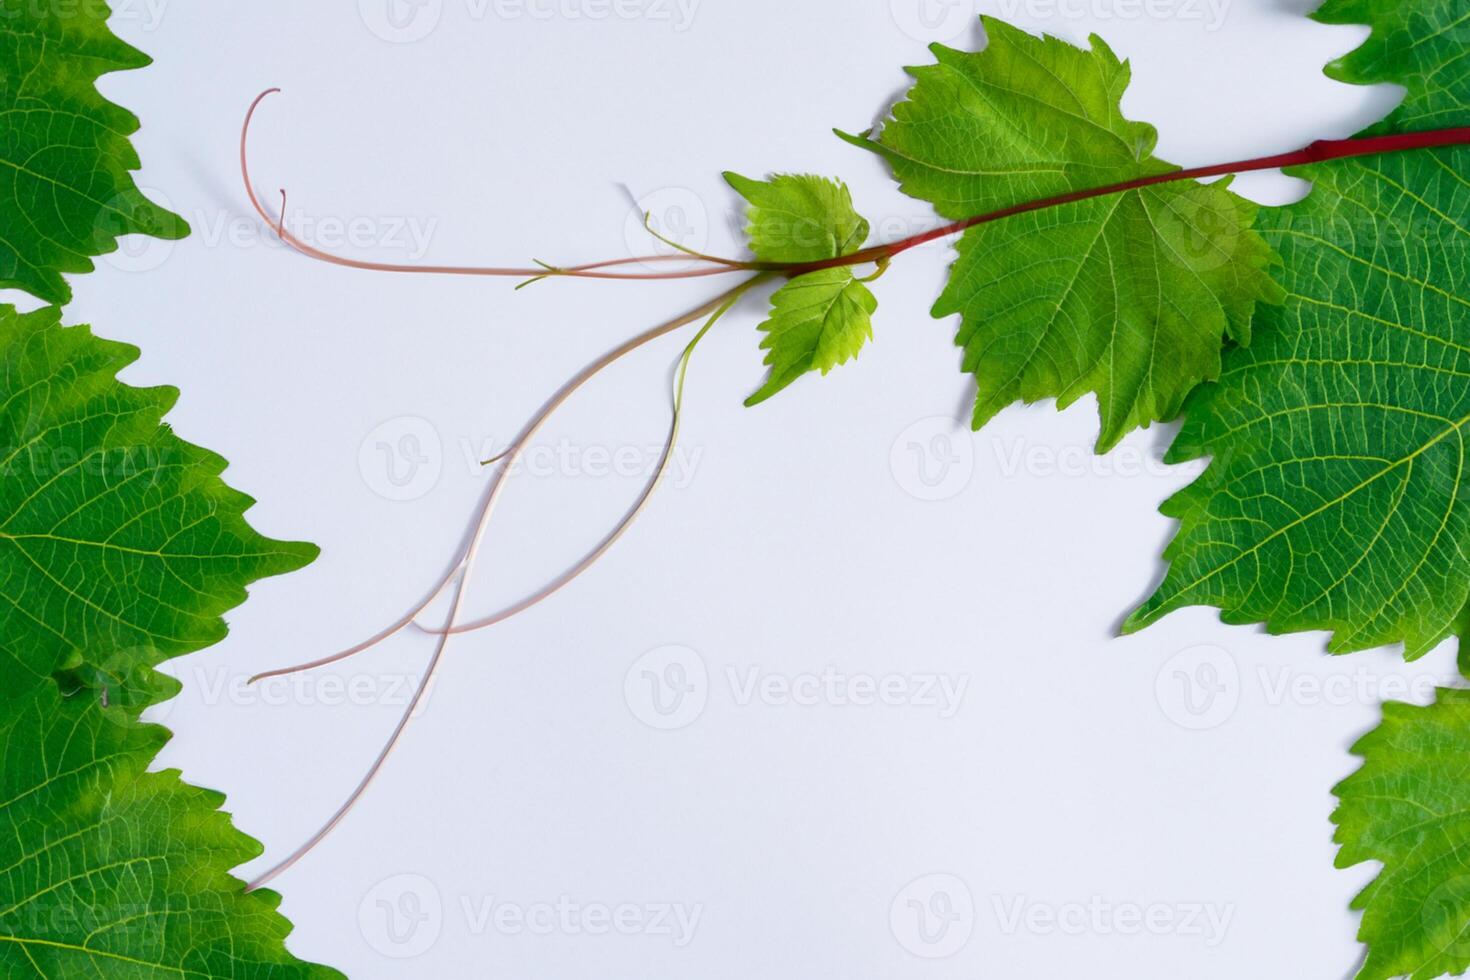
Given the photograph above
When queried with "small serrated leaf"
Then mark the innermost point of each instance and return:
(818, 321)
(822, 318)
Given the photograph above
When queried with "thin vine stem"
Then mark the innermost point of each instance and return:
(1317, 152)
(881, 255)
(591, 270)
(487, 505)
(714, 309)
(461, 571)
(611, 538)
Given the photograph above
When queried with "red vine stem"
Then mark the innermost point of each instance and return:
(1318, 152)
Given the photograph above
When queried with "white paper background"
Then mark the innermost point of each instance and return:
(1072, 815)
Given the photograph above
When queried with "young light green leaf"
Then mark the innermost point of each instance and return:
(1128, 295)
(819, 319)
(66, 187)
(114, 871)
(1336, 498)
(799, 217)
(119, 544)
(1408, 808)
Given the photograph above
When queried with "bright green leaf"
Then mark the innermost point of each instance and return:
(1129, 295)
(819, 319)
(1336, 499)
(66, 187)
(799, 218)
(119, 544)
(1408, 808)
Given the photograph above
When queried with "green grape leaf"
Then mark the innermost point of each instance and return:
(819, 319)
(1419, 45)
(1129, 295)
(1408, 807)
(1336, 495)
(799, 217)
(66, 187)
(114, 871)
(119, 547)
(119, 544)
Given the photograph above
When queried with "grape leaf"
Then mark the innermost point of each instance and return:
(114, 871)
(66, 187)
(1336, 496)
(1419, 45)
(819, 319)
(118, 542)
(119, 547)
(799, 217)
(1127, 295)
(1408, 807)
